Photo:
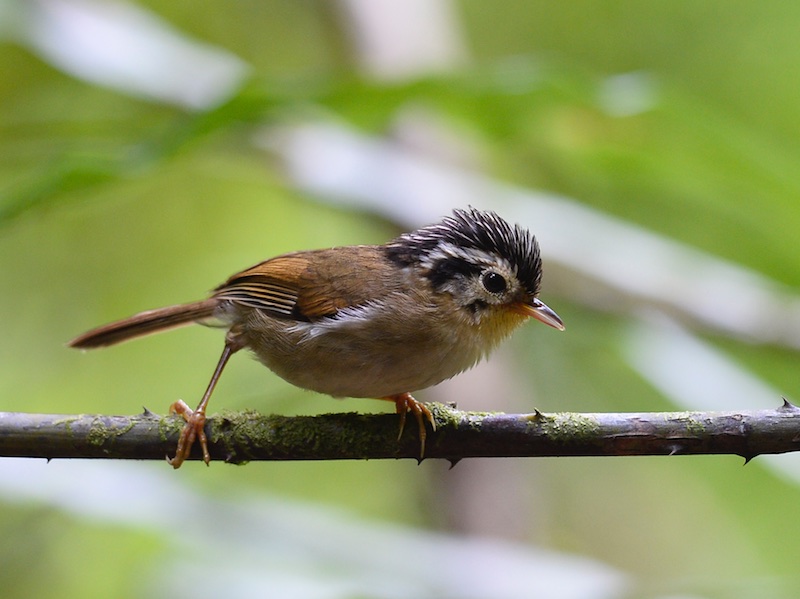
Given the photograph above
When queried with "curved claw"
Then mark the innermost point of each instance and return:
(405, 403)
(194, 429)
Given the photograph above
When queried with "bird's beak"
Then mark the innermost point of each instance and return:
(539, 310)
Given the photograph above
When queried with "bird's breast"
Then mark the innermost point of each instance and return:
(367, 352)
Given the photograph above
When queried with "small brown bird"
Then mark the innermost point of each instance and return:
(374, 321)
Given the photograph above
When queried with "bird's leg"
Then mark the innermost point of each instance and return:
(404, 403)
(194, 429)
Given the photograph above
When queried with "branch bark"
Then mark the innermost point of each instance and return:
(243, 436)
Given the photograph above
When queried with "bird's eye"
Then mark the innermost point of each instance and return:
(494, 282)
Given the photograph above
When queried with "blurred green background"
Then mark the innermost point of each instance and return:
(113, 202)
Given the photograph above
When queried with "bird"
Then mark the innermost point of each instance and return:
(373, 321)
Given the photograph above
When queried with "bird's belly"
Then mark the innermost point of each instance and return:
(356, 365)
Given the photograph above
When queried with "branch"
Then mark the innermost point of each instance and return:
(243, 436)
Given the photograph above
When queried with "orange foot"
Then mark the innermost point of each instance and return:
(405, 403)
(193, 429)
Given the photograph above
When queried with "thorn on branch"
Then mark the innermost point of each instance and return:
(788, 406)
(748, 458)
(537, 416)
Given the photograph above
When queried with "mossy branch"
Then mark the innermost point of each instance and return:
(244, 436)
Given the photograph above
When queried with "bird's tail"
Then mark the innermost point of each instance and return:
(144, 323)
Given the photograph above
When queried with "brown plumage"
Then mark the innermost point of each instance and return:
(366, 321)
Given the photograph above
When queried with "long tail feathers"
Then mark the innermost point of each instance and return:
(144, 323)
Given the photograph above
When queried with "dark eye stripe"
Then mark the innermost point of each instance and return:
(447, 269)
(474, 229)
